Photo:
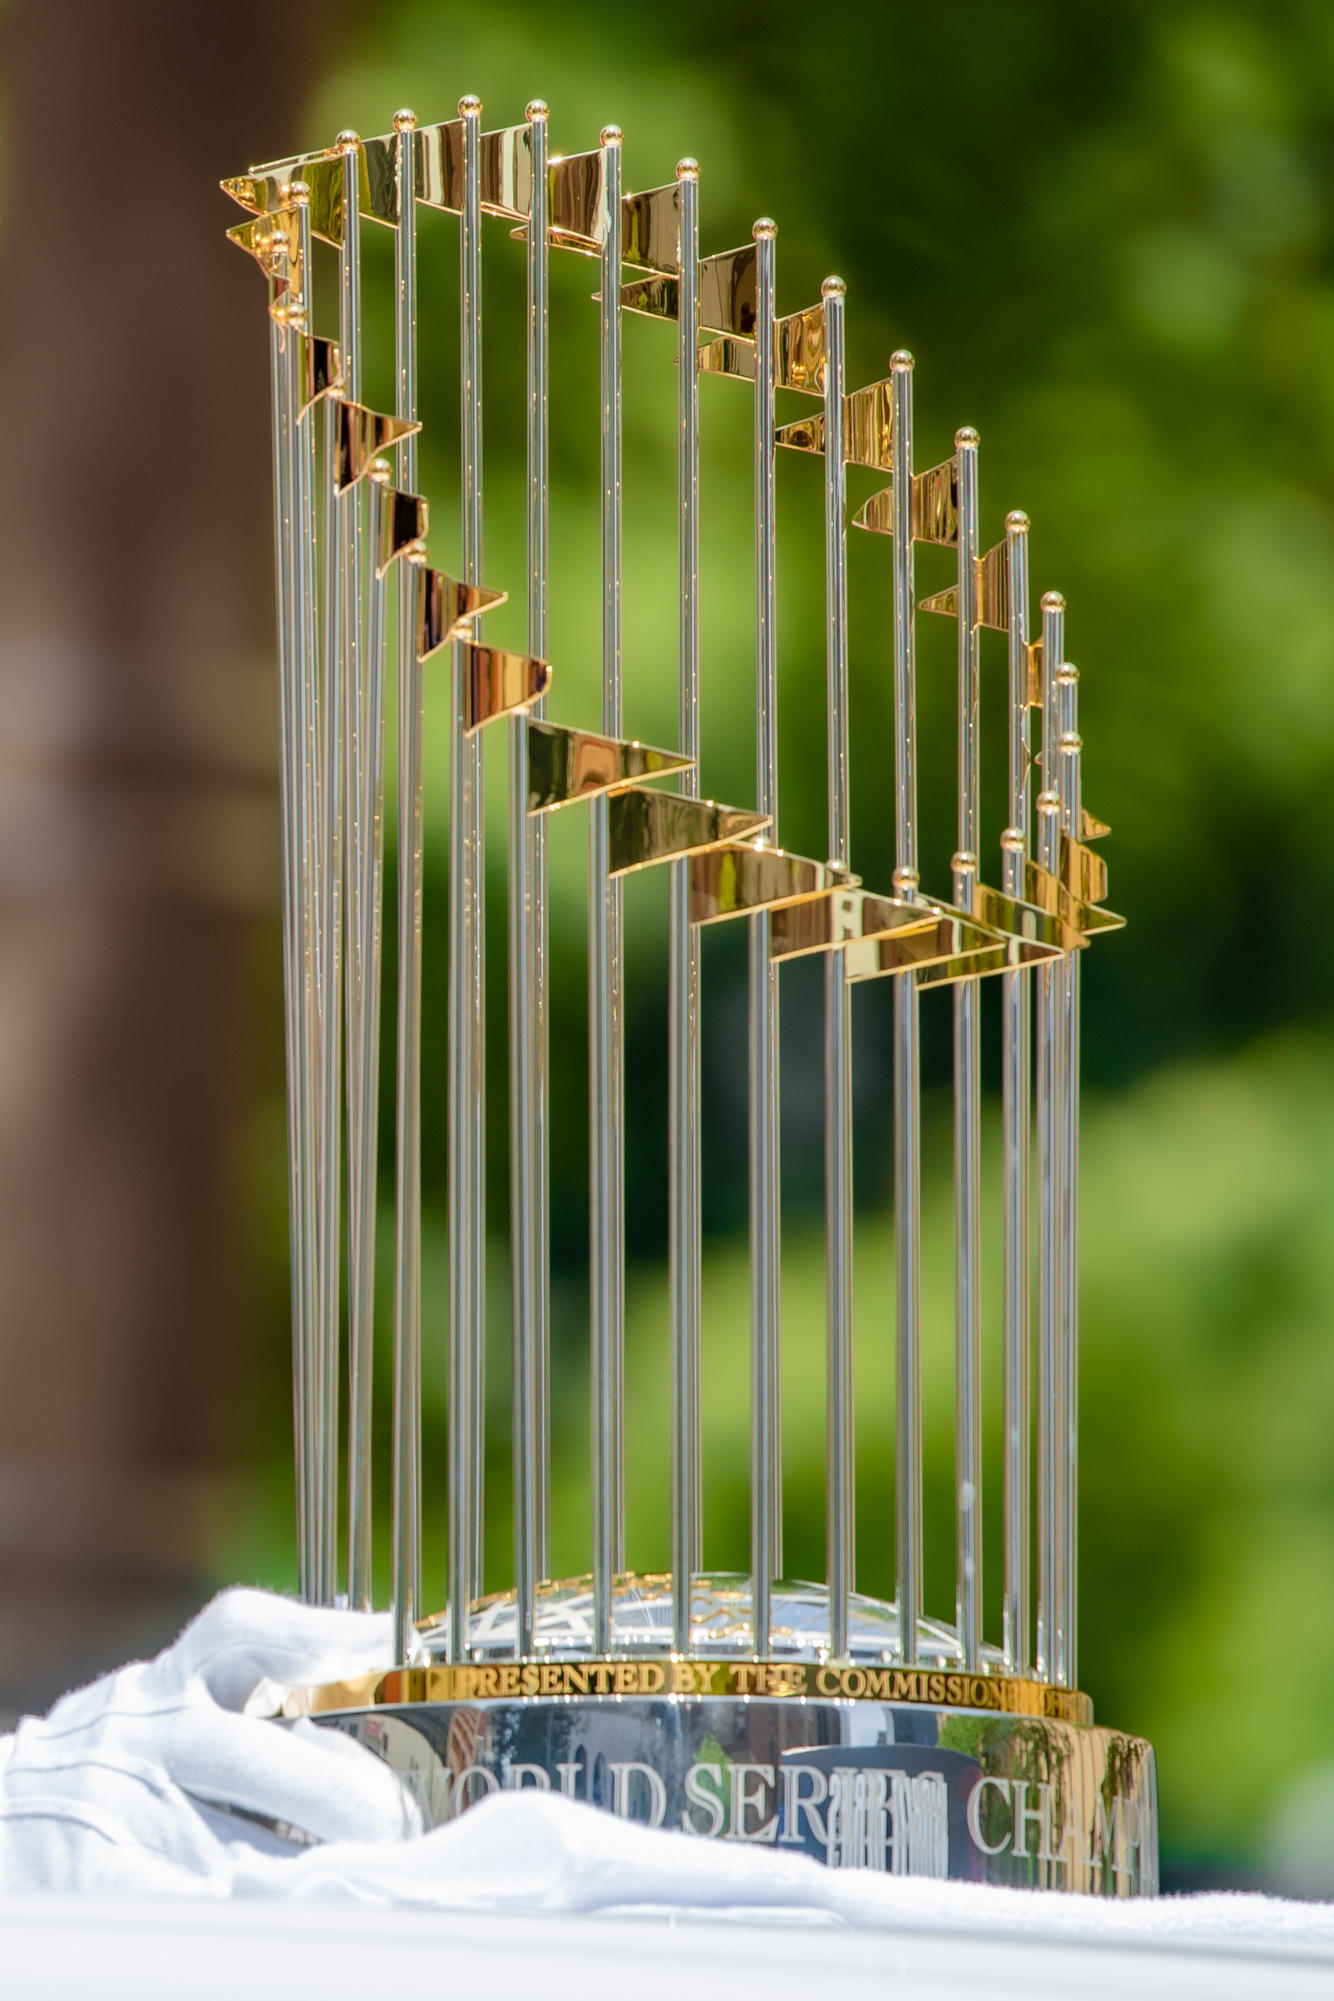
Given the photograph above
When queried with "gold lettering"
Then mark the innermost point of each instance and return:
(935, 1691)
(826, 1681)
(744, 1677)
(576, 1678)
(529, 1680)
(488, 1682)
(552, 1680)
(954, 1688)
(601, 1673)
(980, 1693)
(625, 1678)
(509, 1678)
(854, 1681)
(683, 1678)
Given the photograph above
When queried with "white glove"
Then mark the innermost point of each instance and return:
(156, 1777)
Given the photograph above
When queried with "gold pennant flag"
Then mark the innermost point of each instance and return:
(1083, 872)
(565, 764)
(799, 352)
(274, 241)
(1037, 934)
(496, 683)
(728, 355)
(651, 229)
(950, 946)
(361, 437)
(993, 603)
(659, 297)
(504, 169)
(868, 427)
(577, 203)
(445, 611)
(867, 435)
(841, 917)
(751, 876)
(993, 588)
(320, 368)
(877, 514)
(807, 434)
(265, 190)
(401, 527)
(647, 827)
(727, 292)
(1050, 893)
(935, 503)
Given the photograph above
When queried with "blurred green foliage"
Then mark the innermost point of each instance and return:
(1107, 235)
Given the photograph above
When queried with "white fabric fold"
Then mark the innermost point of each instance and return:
(164, 1778)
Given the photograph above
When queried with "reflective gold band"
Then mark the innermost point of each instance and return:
(510, 1681)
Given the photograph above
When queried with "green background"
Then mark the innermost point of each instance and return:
(1105, 232)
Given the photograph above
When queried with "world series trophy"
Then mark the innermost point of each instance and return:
(809, 1717)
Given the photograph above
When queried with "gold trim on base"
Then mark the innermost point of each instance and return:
(803, 1681)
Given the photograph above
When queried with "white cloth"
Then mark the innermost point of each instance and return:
(119, 1789)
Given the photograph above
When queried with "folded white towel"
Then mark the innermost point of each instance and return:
(166, 1776)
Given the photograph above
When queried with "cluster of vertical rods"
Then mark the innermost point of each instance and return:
(333, 639)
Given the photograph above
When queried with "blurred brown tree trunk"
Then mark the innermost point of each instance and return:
(137, 816)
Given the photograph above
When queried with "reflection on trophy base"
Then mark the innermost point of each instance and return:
(911, 1787)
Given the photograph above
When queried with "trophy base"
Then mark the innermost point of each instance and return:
(913, 1771)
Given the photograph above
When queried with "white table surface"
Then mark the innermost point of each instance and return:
(61, 1946)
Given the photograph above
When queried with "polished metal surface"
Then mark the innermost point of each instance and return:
(516, 689)
(1050, 1510)
(361, 697)
(868, 1732)
(766, 1483)
(407, 1096)
(907, 1056)
(968, 1085)
(1017, 1129)
(605, 1053)
(684, 1245)
(840, 1449)
(931, 1789)
(529, 1420)
(539, 1157)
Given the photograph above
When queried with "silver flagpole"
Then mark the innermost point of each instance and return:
(765, 1256)
(357, 847)
(331, 752)
(604, 967)
(370, 927)
(1067, 680)
(282, 335)
(467, 1107)
(968, 1096)
(839, 1453)
(539, 1285)
(407, 1231)
(1017, 1088)
(524, 1233)
(907, 1077)
(1049, 1066)
(301, 493)
(356, 733)
(687, 1552)
(470, 337)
